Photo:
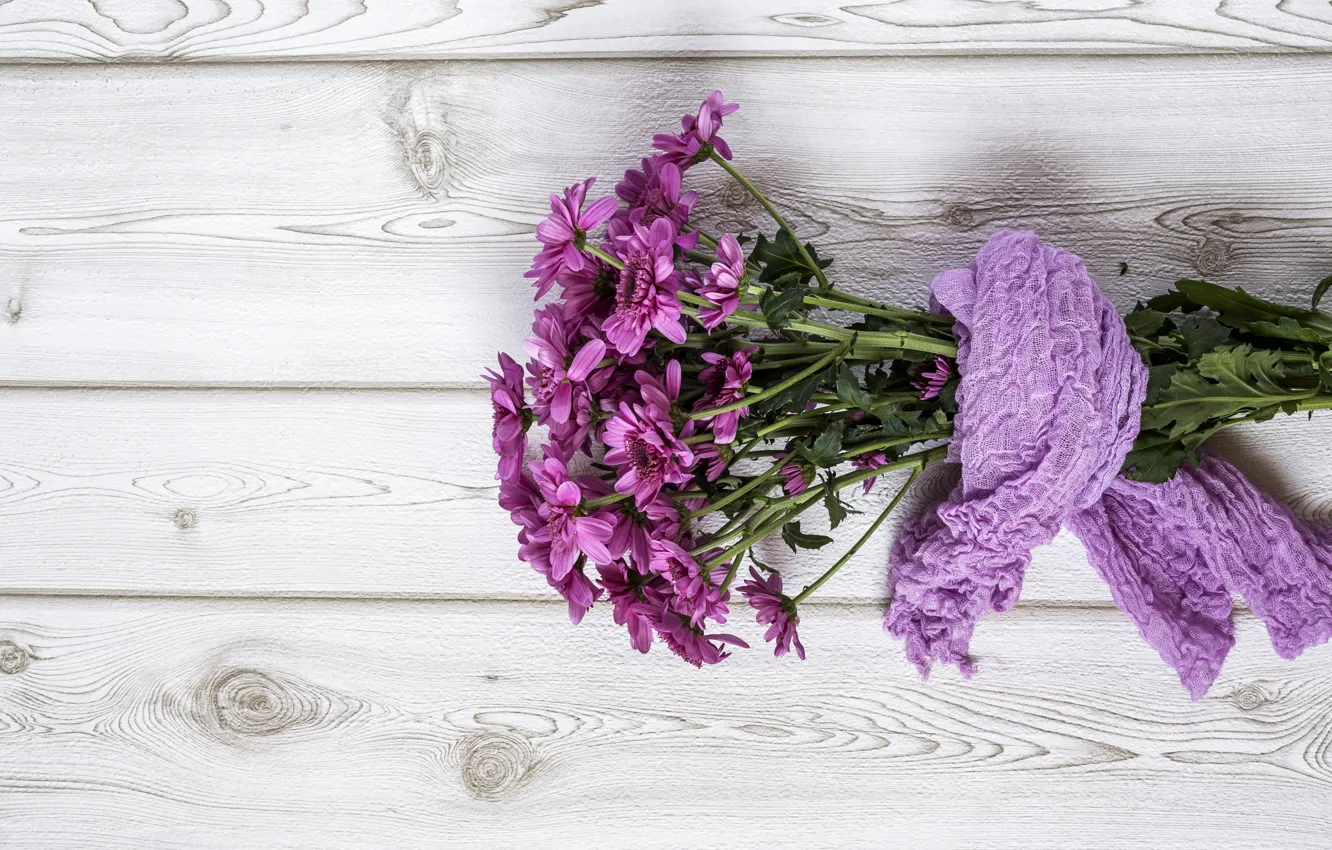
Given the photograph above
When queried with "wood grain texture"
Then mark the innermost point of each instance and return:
(369, 224)
(254, 493)
(239, 30)
(222, 724)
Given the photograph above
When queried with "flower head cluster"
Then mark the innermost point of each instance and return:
(698, 133)
(659, 380)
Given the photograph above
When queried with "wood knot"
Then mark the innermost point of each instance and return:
(14, 309)
(736, 197)
(184, 518)
(806, 19)
(13, 658)
(959, 215)
(493, 764)
(427, 160)
(1250, 697)
(248, 702)
(1213, 257)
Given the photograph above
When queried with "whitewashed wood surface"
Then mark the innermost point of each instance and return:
(254, 589)
(239, 30)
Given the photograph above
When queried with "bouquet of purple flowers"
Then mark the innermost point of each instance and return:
(702, 391)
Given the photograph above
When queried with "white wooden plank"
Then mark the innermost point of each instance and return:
(201, 30)
(369, 224)
(222, 724)
(381, 494)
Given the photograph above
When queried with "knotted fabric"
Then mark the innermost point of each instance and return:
(1049, 404)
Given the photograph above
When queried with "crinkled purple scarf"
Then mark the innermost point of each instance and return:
(1048, 406)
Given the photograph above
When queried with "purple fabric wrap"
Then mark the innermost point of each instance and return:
(1048, 405)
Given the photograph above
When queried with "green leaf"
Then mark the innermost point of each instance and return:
(782, 257)
(1145, 322)
(1319, 291)
(1324, 364)
(827, 446)
(849, 390)
(1226, 382)
(1154, 457)
(1158, 378)
(779, 305)
(797, 539)
(1235, 305)
(1284, 328)
(837, 509)
(1169, 302)
(1202, 333)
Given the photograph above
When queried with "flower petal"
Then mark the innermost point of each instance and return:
(586, 360)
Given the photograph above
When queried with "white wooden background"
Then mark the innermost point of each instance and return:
(254, 591)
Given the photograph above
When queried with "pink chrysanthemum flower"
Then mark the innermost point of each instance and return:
(870, 460)
(645, 296)
(721, 285)
(642, 442)
(555, 372)
(797, 473)
(637, 599)
(508, 433)
(775, 610)
(563, 232)
(698, 133)
(931, 381)
(697, 590)
(715, 457)
(588, 292)
(570, 531)
(724, 380)
(653, 193)
(690, 642)
(637, 528)
(523, 499)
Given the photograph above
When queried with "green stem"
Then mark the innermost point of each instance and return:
(742, 491)
(603, 256)
(857, 451)
(593, 504)
(776, 216)
(869, 532)
(814, 369)
(869, 310)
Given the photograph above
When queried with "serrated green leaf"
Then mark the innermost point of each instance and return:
(1170, 302)
(797, 539)
(1235, 305)
(827, 446)
(849, 390)
(779, 305)
(1202, 333)
(1154, 458)
(1284, 328)
(782, 256)
(837, 509)
(1225, 383)
(1145, 322)
(1158, 378)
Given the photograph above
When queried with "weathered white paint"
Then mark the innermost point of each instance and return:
(195, 235)
(208, 30)
(342, 724)
(373, 227)
(388, 493)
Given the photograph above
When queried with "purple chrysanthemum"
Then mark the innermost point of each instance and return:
(724, 380)
(563, 231)
(637, 599)
(697, 590)
(642, 442)
(645, 295)
(699, 133)
(570, 531)
(638, 527)
(653, 193)
(775, 610)
(931, 381)
(508, 433)
(721, 285)
(870, 460)
(690, 642)
(556, 372)
(588, 292)
(797, 473)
